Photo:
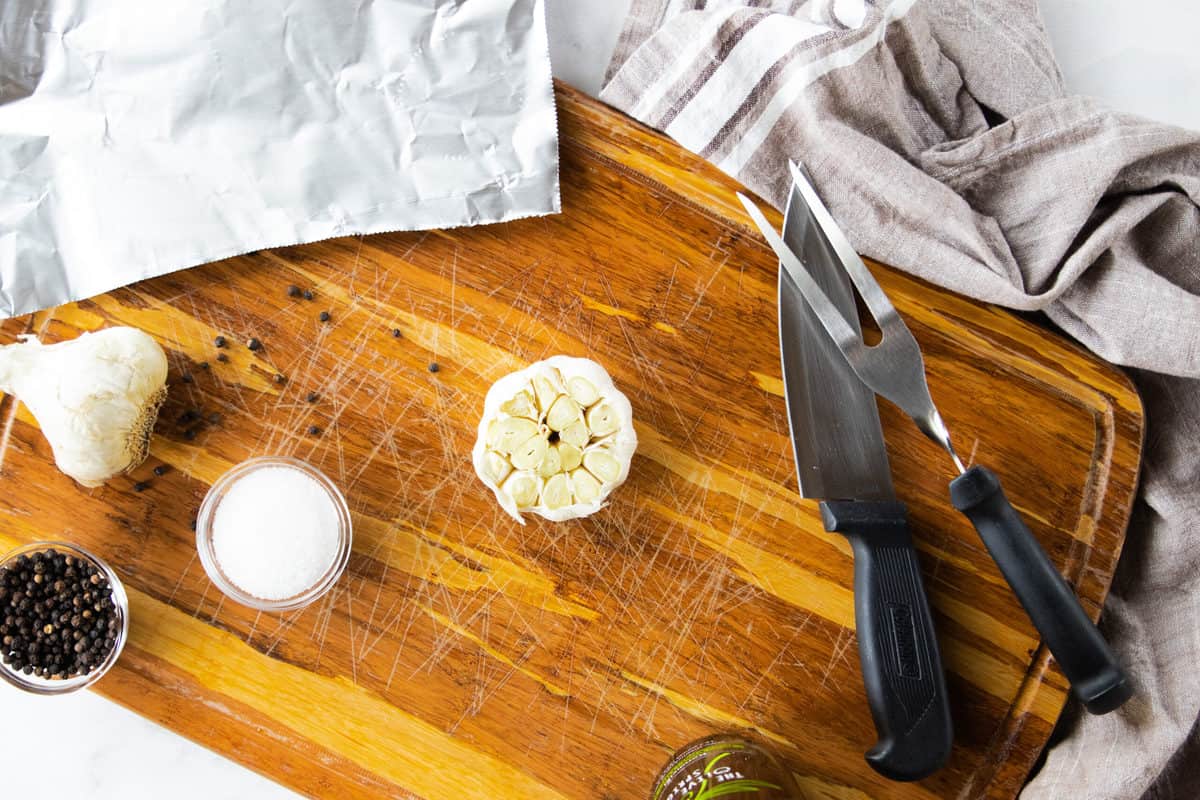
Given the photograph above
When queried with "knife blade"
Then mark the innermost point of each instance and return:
(841, 453)
(842, 460)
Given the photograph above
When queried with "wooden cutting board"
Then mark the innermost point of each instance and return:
(465, 656)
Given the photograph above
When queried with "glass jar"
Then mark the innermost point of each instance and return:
(212, 565)
(725, 766)
(38, 685)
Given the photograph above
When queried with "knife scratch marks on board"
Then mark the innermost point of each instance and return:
(651, 370)
(217, 611)
(253, 627)
(386, 435)
(841, 648)
(453, 288)
(284, 624)
(390, 619)
(752, 693)
(200, 602)
(350, 632)
(666, 294)
(182, 576)
(321, 626)
(702, 289)
(682, 598)
(699, 361)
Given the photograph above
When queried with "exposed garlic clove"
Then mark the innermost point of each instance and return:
(602, 419)
(497, 466)
(601, 464)
(575, 434)
(584, 486)
(545, 392)
(523, 488)
(569, 456)
(556, 493)
(521, 405)
(529, 453)
(505, 434)
(551, 463)
(563, 412)
(96, 397)
(536, 417)
(582, 391)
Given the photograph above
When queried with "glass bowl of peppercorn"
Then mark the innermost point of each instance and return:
(64, 618)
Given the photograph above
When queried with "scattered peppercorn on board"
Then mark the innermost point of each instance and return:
(462, 655)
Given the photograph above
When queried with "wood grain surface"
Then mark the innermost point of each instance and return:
(464, 656)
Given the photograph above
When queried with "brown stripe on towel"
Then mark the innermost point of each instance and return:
(773, 79)
(738, 26)
(645, 17)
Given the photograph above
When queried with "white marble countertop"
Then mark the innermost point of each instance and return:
(1138, 57)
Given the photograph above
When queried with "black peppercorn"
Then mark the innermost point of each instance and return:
(280, 379)
(314, 430)
(187, 377)
(160, 470)
(254, 344)
(396, 332)
(313, 397)
(203, 365)
(293, 291)
(219, 341)
(434, 367)
(308, 295)
(141, 486)
(40, 635)
(222, 357)
(324, 316)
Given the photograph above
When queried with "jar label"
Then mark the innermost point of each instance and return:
(726, 769)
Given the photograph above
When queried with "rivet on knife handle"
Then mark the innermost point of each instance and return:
(897, 644)
(1095, 675)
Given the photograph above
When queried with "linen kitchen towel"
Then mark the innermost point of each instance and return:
(140, 138)
(940, 135)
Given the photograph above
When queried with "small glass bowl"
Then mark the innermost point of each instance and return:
(208, 556)
(39, 685)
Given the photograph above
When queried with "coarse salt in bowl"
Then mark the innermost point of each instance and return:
(274, 533)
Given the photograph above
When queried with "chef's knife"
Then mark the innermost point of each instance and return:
(841, 458)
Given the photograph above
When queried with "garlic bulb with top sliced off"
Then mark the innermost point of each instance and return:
(555, 439)
(96, 397)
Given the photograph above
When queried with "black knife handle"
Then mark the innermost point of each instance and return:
(1096, 676)
(897, 645)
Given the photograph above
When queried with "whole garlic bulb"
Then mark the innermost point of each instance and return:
(555, 439)
(96, 397)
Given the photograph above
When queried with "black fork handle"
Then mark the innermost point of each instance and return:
(1096, 676)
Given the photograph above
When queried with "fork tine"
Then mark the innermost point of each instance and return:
(870, 290)
(894, 367)
(843, 335)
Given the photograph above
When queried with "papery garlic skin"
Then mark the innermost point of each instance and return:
(95, 397)
(534, 443)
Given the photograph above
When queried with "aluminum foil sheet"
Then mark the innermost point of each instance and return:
(141, 138)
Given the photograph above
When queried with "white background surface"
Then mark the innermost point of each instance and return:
(1138, 56)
